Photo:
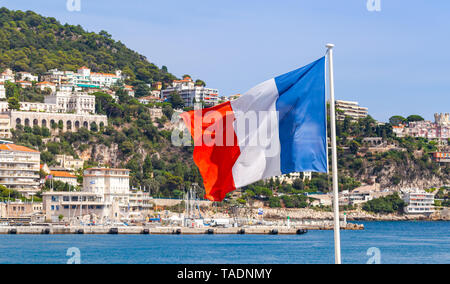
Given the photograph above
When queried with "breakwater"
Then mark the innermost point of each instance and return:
(136, 230)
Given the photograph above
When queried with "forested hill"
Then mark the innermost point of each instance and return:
(33, 43)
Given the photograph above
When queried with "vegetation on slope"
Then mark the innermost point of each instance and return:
(33, 43)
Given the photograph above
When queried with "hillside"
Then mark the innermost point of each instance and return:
(33, 43)
(135, 140)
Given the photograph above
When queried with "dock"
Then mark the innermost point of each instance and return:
(142, 230)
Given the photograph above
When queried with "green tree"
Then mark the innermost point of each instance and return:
(200, 83)
(13, 103)
(415, 117)
(396, 120)
(176, 100)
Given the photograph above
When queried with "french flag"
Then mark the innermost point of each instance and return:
(278, 127)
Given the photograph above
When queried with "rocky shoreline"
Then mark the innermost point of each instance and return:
(356, 215)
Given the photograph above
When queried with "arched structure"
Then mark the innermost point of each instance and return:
(70, 122)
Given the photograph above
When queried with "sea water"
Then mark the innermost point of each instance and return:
(380, 242)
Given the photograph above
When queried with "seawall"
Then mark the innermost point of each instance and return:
(136, 230)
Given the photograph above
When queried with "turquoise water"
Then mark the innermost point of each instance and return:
(398, 242)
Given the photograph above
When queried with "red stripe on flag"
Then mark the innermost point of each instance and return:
(214, 157)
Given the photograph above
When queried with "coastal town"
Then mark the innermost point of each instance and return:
(104, 196)
(205, 135)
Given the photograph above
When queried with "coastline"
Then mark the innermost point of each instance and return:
(356, 215)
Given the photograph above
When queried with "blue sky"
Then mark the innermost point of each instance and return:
(393, 61)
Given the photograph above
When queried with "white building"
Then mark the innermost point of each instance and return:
(2, 91)
(129, 89)
(85, 78)
(418, 201)
(24, 84)
(71, 205)
(140, 201)
(26, 76)
(149, 99)
(59, 102)
(351, 109)
(191, 93)
(5, 126)
(113, 184)
(56, 77)
(362, 194)
(105, 197)
(7, 75)
(78, 103)
(69, 162)
(32, 106)
(290, 178)
(46, 85)
(19, 168)
(65, 177)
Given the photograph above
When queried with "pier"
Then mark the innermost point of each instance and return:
(139, 230)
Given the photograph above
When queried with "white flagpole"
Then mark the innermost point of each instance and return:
(337, 235)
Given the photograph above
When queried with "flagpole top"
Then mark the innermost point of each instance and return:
(330, 45)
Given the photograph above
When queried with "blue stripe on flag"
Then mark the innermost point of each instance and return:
(302, 119)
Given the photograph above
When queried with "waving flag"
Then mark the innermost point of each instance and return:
(278, 127)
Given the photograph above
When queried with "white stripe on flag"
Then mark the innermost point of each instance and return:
(260, 158)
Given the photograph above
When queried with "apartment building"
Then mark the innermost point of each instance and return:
(351, 109)
(112, 183)
(5, 126)
(57, 77)
(140, 201)
(191, 93)
(84, 78)
(19, 168)
(418, 201)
